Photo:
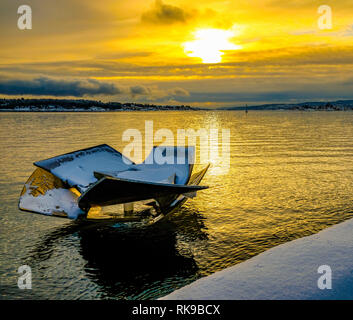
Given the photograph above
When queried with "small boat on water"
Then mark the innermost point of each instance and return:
(100, 184)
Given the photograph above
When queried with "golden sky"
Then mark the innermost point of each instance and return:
(202, 53)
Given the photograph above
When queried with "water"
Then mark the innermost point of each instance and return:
(291, 175)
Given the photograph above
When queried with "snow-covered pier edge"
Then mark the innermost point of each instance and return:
(296, 270)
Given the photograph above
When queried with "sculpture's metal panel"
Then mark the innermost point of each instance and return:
(179, 160)
(76, 168)
(46, 194)
(109, 191)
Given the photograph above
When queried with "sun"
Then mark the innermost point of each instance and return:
(209, 44)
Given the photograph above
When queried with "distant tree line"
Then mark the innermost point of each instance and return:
(68, 104)
(325, 106)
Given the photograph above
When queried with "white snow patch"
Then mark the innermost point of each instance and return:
(177, 159)
(58, 200)
(77, 167)
(80, 171)
(162, 175)
(288, 271)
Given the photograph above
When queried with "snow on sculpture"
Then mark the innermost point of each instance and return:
(91, 183)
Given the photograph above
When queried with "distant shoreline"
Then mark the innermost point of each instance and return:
(156, 110)
(90, 111)
(339, 105)
(82, 105)
(67, 105)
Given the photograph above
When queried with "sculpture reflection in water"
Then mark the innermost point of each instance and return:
(127, 263)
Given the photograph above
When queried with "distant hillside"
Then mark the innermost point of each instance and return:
(64, 105)
(339, 105)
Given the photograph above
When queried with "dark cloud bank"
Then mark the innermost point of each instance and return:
(164, 14)
(53, 87)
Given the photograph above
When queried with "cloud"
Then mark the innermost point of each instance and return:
(179, 92)
(164, 14)
(333, 91)
(139, 90)
(329, 61)
(56, 87)
(349, 31)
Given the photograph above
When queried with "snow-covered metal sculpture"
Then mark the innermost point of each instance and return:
(91, 183)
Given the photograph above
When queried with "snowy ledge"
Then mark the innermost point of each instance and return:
(288, 271)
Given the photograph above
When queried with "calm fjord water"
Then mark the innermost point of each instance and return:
(291, 175)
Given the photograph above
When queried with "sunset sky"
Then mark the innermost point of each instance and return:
(202, 53)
